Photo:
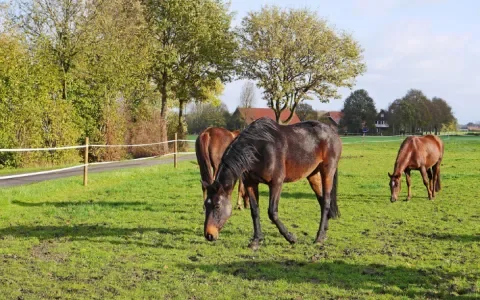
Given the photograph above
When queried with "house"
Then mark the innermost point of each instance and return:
(381, 123)
(334, 117)
(248, 115)
(473, 128)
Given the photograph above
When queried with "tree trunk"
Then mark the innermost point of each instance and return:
(180, 129)
(163, 113)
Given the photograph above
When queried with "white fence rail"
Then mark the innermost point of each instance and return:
(85, 165)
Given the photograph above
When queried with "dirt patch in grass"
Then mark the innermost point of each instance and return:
(46, 251)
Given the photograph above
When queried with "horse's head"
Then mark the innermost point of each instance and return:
(395, 186)
(218, 209)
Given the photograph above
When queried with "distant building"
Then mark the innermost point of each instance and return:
(248, 115)
(381, 123)
(335, 117)
(473, 128)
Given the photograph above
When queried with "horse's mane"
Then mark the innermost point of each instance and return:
(242, 154)
(402, 154)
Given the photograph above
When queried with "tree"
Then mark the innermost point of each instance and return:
(359, 111)
(421, 109)
(194, 50)
(295, 56)
(416, 112)
(202, 115)
(30, 116)
(442, 115)
(60, 26)
(247, 96)
(400, 116)
(112, 71)
(306, 112)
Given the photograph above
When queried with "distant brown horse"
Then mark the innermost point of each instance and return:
(269, 153)
(423, 153)
(209, 148)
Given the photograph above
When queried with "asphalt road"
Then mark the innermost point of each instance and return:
(92, 169)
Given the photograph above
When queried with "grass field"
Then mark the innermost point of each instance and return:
(138, 233)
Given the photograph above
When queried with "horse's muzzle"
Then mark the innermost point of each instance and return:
(211, 234)
(210, 237)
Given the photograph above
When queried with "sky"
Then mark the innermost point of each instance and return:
(431, 45)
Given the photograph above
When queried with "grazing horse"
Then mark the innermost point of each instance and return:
(269, 153)
(209, 148)
(423, 153)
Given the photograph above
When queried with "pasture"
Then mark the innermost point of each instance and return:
(138, 233)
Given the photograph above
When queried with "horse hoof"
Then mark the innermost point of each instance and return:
(239, 207)
(320, 239)
(254, 245)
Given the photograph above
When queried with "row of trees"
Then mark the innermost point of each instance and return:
(114, 70)
(412, 113)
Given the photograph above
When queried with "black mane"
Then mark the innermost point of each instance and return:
(242, 154)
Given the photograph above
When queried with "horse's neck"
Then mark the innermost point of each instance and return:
(225, 177)
(402, 162)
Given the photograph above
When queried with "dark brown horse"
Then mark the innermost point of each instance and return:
(423, 153)
(269, 153)
(209, 148)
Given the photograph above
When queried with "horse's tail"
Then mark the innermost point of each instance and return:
(203, 159)
(438, 185)
(334, 212)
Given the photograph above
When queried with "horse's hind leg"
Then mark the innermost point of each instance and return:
(436, 178)
(430, 179)
(275, 190)
(327, 178)
(242, 194)
(316, 184)
(423, 171)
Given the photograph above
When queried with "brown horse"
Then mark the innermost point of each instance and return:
(269, 153)
(209, 148)
(423, 153)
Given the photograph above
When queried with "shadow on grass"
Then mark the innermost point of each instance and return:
(310, 195)
(381, 279)
(78, 203)
(452, 237)
(86, 232)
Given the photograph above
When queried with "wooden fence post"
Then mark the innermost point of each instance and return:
(175, 149)
(85, 168)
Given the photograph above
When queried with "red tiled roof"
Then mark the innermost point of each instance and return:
(473, 128)
(252, 114)
(336, 116)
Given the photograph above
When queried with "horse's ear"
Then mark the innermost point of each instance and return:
(389, 175)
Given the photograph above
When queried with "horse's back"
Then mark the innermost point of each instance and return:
(309, 144)
(421, 151)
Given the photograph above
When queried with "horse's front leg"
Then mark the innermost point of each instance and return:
(423, 171)
(275, 190)
(252, 190)
(409, 184)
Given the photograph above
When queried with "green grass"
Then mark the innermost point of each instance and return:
(138, 233)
